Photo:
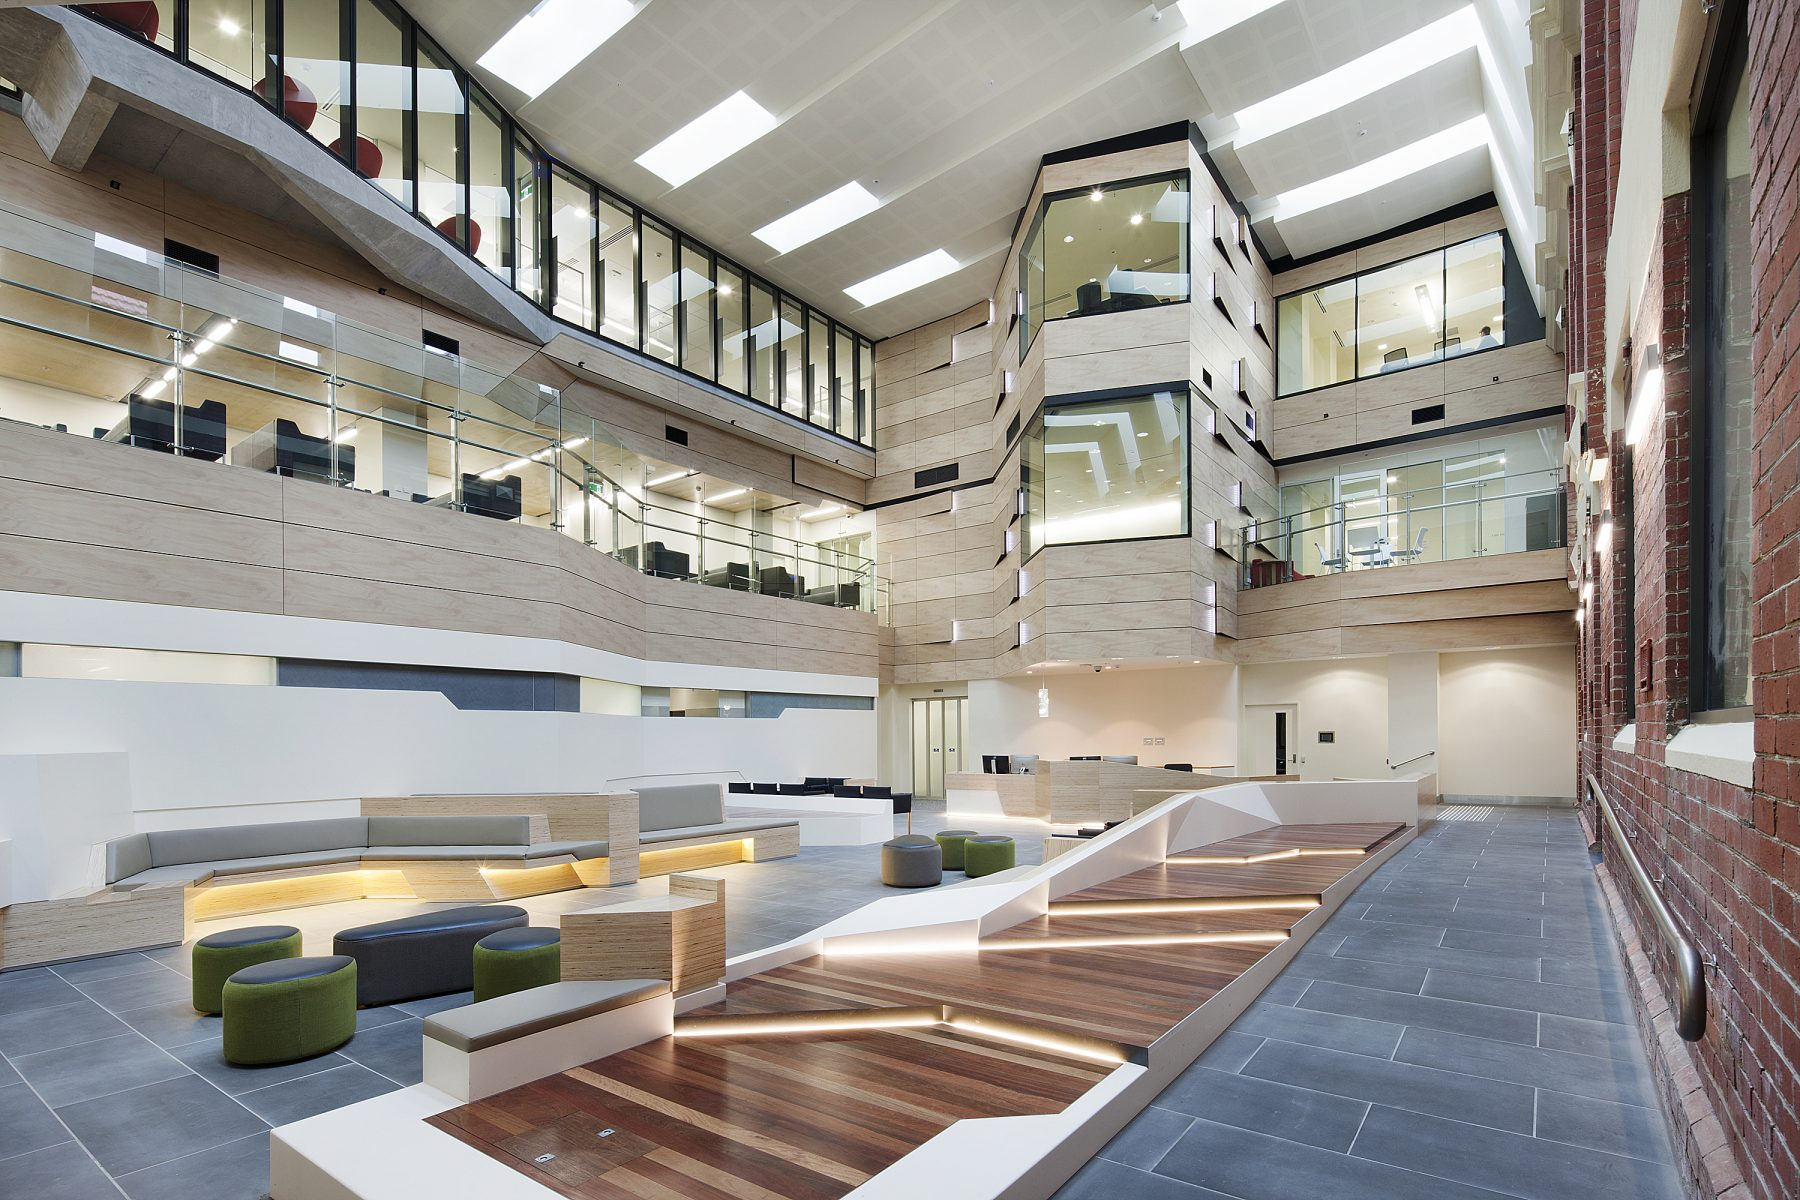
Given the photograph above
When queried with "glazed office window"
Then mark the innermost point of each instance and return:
(1107, 249)
(315, 79)
(618, 271)
(530, 206)
(490, 201)
(151, 20)
(843, 374)
(661, 291)
(793, 358)
(765, 371)
(230, 39)
(384, 90)
(1725, 428)
(1107, 471)
(1426, 309)
(730, 299)
(441, 177)
(572, 247)
(1316, 336)
(865, 392)
(427, 136)
(818, 370)
(696, 310)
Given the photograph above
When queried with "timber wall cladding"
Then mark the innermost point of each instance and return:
(80, 517)
(1527, 377)
(956, 601)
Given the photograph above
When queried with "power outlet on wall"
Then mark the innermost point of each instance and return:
(1153, 741)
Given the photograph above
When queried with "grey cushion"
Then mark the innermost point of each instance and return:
(175, 846)
(443, 920)
(186, 874)
(248, 935)
(286, 970)
(449, 831)
(680, 805)
(278, 862)
(520, 1014)
(580, 850)
(439, 853)
(127, 856)
(718, 829)
(524, 937)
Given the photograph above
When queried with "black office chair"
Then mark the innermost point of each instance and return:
(778, 581)
(842, 595)
(1189, 767)
(733, 576)
(1087, 299)
(793, 789)
(1393, 360)
(502, 499)
(658, 560)
(764, 789)
(736, 786)
(150, 425)
(302, 456)
(847, 791)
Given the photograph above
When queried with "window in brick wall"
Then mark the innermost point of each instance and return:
(1722, 378)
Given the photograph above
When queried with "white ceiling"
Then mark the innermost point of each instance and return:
(942, 109)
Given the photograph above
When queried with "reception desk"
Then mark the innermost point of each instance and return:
(1071, 793)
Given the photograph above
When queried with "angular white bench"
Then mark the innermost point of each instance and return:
(481, 1049)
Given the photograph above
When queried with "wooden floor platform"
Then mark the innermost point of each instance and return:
(808, 1079)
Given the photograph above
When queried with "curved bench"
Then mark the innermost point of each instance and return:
(683, 826)
(484, 1048)
(234, 869)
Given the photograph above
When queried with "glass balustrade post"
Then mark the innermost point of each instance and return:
(178, 426)
(331, 428)
(456, 487)
(700, 550)
(556, 486)
(588, 485)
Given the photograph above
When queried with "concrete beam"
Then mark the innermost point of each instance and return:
(64, 112)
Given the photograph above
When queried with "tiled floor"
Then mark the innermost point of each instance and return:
(1458, 1031)
(111, 1084)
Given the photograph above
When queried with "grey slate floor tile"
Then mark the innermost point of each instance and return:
(1309, 1027)
(1557, 1070)
(38, 1029)
(1556, 998)
(61, 1172)
(129, 1131)
(309, 1095)
(207, 1060)
(1246, 1101)
(111, 966)
(1429, 1012)
(395, 1050)
(1533, 1168)
(91, 1069)
(1396, 1084)
(1148, 1137)
(34, 988)
(116, 993)
(1603, 1125)
(26, 1124)
(1104, 1179)
(235, 1171)
(173, 1023)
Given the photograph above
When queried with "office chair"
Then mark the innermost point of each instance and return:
(1327, 561)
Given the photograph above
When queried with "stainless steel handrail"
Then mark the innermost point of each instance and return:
(1414, 758)
(1690, 975)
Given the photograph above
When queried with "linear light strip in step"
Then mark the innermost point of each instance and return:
(1182, 904)
(981, 1025)
(1241, 860)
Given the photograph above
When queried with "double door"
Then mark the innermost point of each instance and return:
(940, 730)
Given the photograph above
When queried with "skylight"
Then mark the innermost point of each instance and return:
(552, 39)
(903, 278)
(708, 139)
(1360, 77)
(1377, 172)
(1207, 18)
(809, 222)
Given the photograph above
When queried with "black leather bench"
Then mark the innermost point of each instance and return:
(432, 954)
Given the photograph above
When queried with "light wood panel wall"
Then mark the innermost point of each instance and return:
(44, 931)
(80, 517)
(955, 602)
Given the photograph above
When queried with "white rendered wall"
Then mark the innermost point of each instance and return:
(1506, 722)
(1412, 702)
(1193, 709)
(1347, 696)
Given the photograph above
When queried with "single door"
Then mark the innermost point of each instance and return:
(1271, 736)
(1281, 754)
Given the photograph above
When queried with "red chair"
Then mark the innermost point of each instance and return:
(297, 100)
(368, 156)
(447, 227)
(141, 19)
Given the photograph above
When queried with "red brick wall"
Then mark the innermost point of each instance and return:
(1729, 857)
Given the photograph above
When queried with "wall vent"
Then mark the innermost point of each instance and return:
(677, 436)
(935, 475)
(1427, 414)
(192, 256)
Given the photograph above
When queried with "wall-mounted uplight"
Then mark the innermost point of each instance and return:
(1044, 700)
(1603, 538)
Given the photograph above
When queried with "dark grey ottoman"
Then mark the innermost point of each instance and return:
(432, 954)
(913, 860)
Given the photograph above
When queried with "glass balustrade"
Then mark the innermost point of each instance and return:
(1500, 515)
(101, 338)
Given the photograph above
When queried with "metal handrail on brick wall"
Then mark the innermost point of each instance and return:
(1690, 976)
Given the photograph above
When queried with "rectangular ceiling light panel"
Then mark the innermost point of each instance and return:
(552, 39)
(903, 278)
(1208, 18)
(1440, 147)
(1405, 56)
(812, 221)
(707, 140)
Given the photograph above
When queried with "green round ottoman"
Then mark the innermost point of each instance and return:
(986, 854)
(952, 841)
(512, 960)
(289, 1009)
(218, 955)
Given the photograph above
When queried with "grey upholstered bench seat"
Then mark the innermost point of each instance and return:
(493, 1022)
(193, 856)
(724, 828)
